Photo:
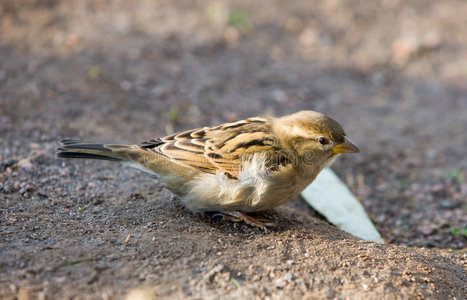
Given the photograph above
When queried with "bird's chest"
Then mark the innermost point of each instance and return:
(254, 190)
(278, 188)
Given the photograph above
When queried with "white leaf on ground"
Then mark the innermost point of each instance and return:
(332, 198)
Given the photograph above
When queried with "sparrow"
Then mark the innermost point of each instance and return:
(235, 168)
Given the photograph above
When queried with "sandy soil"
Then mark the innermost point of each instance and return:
(393, 73)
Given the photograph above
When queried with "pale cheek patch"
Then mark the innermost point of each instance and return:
(331, 160)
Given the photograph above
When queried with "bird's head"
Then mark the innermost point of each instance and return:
(316, 138)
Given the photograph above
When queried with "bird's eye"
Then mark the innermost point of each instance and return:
(322, 141)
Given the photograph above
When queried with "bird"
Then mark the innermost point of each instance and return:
(233, 169)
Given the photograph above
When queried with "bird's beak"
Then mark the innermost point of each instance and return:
(346, 147)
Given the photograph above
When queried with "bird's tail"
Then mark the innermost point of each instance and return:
(78, 149)
(134, 156)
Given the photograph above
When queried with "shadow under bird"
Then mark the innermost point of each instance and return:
(234, 168)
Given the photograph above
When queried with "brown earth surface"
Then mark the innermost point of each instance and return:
(392, 72)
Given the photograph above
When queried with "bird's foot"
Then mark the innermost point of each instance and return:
(238, 216)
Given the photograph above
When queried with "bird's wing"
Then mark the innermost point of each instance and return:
(220, 149)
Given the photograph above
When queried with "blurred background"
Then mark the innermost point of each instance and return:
(392, 72)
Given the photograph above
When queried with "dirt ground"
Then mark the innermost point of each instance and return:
(392, 72)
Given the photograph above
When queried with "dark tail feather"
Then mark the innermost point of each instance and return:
(70, 142)
(65, 154)
(78, 149)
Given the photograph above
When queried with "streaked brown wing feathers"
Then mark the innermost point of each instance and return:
(221, 148)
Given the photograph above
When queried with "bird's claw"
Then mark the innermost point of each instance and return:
(238, 216)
